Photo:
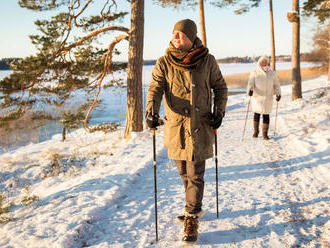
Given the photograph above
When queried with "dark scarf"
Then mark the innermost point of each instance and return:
(186, 60)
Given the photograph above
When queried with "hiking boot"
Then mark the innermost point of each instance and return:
(190, 229)
(256, 129)
(265, 131)
(180, 218)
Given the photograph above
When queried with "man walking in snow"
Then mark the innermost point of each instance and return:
(187, 75)
(263, 84)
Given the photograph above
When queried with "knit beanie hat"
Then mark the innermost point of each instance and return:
(188, 27)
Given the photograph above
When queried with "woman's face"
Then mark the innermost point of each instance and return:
(263, 62)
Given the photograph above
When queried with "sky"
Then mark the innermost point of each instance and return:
(227, 34)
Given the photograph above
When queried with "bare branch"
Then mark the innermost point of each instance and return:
(107, 2)
(67, 35)
(107, 64)
(94, 33)
(109, 8)
(77, 3)
(83, 9)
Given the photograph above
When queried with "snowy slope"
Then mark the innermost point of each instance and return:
(96, 190)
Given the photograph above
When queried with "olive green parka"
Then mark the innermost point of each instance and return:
(188, 98)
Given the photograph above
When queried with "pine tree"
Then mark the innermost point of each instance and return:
(71, 59)
(202, 21)
(319, 54)
(321, 10)
(272, 34)
(318, 8)
(243, 5)
(134, 113)
(294, 17)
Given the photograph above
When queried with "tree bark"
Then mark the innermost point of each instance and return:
(329, 51)
(134, 113)
(296, 76)
(272, 34)
(63, 134)
(202, 22)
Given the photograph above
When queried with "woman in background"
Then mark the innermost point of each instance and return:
(263, 84)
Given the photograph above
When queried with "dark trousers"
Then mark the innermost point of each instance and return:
(265, 118)
(192, 175)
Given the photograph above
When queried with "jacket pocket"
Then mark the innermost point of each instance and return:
(207, 137)
(174, 134)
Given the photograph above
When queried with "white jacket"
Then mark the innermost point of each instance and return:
(264, 86)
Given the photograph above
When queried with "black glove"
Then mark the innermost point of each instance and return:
(152, 120)
(214, 120)
(217, 120)
(278, 97)
(250, 92)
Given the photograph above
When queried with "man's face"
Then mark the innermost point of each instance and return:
(181, 41)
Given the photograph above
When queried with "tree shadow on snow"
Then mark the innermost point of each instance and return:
(276, 208)
(276, 167)
(246, 233)
(293, 224)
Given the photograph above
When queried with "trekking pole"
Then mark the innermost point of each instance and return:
(155, 172)
(216, 169)
(215, 111)
(276, 118)
(247, 112)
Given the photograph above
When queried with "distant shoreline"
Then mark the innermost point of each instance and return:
(240, 80)
(153, 62)
(5, 67)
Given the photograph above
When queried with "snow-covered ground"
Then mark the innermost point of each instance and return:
(96, 190)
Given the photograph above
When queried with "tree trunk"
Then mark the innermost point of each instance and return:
(296, 76)
(272, 34)
(329, 52)
(63, 134)
(134, 113)
(202, 22)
